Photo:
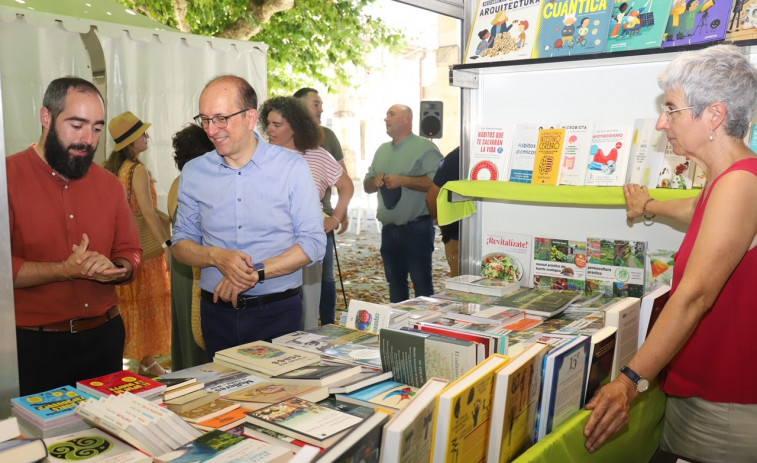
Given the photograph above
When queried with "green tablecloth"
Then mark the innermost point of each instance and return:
(448, 212)
(636, 443)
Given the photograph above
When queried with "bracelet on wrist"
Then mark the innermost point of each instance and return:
(644, 212)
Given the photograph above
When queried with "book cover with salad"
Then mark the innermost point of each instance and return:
(559, 263)
(506, 256)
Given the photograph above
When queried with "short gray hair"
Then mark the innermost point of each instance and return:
(721, 73)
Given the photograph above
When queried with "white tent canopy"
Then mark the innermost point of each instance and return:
(139, 65)
(154, 72)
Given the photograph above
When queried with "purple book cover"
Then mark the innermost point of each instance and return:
(695, 21)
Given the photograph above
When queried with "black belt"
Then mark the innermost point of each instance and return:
(76, 325)
(420, 218)
(249, 301)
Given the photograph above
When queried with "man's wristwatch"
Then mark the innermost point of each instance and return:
(642, 384)
(260, 267)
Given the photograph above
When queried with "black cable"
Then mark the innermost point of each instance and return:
(339, 270)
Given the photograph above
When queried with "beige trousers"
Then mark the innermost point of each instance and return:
(710, 432)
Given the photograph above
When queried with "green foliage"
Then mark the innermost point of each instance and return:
(317, 43)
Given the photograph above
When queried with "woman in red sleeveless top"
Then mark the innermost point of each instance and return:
(702, 341)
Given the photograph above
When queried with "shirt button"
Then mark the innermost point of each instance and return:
(239, 227)
(239, 173)
(86, 305)
(65, 187)
(71, 216)
(239, 199)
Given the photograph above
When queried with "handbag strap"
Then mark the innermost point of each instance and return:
(131, 175)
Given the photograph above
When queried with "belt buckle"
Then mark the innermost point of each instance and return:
(72, 323)
(241, 302)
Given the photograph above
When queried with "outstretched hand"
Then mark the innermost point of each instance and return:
(610, 412)
(91, 265)
(636, 197)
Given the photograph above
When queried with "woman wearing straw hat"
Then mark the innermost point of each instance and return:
(146, 302)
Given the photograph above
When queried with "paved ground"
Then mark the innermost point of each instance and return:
(362, 267)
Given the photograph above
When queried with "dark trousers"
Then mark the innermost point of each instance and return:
(407, 249)
(224, 327)
(328, 284)
(48, 360)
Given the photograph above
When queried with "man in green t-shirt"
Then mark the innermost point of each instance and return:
(327, 306)
(401, 172)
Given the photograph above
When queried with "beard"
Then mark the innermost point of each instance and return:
(68, 165)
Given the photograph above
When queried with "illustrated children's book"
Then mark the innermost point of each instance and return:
(575, 156)
(615, 267)
(490, 154)
(695, 21)
(559, 264)
(608, 155)
(503, 30)
(743, 24)
(548, 157)
(572, 27)
(637, 24)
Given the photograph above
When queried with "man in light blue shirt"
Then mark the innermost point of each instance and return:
(249, 216)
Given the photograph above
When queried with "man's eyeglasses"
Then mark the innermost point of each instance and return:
(219, 121)
(668, 112)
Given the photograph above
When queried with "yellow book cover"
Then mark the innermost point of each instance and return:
(463, 410)
(514, 405)
(549, 149)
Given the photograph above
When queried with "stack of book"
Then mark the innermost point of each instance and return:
(177, 387)
(49, 413)
(143, 424)
(337, 342)
(264, 358)
(14, 448)
(123, 381)
(481, 285)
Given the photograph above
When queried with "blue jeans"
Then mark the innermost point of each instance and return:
(327, 306)
(407, 249)
(224, 327)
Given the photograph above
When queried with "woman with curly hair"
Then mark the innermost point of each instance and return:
(289, 124)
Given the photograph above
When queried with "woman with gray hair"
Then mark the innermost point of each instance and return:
(702, 341)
